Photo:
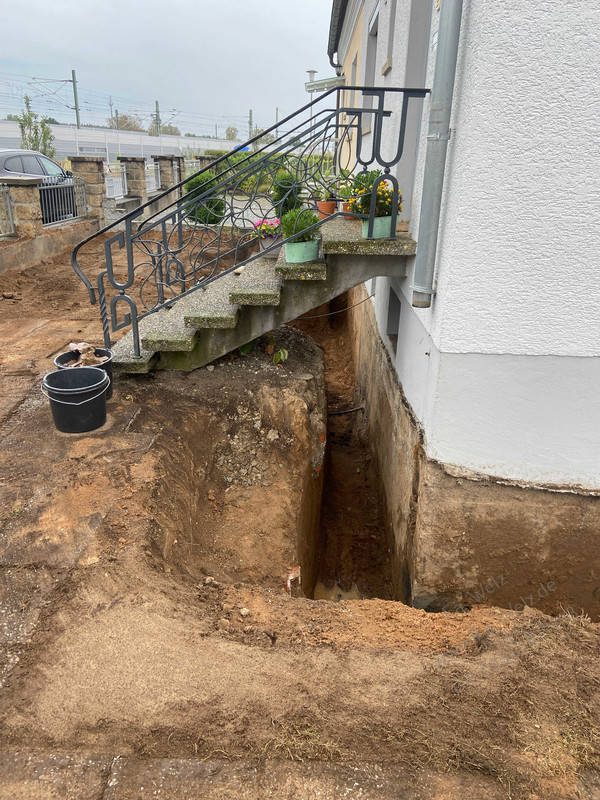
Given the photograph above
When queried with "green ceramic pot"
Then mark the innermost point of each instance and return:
(382, 228)
(301, 252)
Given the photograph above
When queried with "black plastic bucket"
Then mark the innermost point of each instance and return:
(63, 361)
(77, 398)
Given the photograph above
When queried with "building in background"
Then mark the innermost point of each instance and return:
(484, 405)
(69, 140)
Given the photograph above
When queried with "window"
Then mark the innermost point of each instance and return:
(13, 164)
(393, 319)
(370, 61)
(50, 167)
(390, 45)
(31, 166)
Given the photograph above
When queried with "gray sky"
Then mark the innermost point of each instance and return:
(211, 61)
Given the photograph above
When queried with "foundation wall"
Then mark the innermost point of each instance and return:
(467, 539)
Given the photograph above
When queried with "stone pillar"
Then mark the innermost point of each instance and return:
(91, 170)
(26, 207)
(135, 169)
(166, 171)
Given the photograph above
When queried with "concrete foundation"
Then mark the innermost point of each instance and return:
(466, 539)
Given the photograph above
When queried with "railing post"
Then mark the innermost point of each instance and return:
(26, 206)
(180, 160)
(91, 170)
(135, 170)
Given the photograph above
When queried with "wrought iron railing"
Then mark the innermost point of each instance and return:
(7, 224)
(62, 199)
(202, 235)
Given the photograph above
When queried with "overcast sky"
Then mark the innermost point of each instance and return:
(210, 60)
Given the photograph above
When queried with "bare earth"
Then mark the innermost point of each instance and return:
(148, 648)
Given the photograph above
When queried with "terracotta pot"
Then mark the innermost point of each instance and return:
(326, 208)
(347, 211)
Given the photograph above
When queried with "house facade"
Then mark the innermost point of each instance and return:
(484, 392)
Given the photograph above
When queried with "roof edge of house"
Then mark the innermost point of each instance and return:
(338, 12)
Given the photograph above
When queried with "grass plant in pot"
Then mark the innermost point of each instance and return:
(304, 243)
(268, 233)
(383, 198)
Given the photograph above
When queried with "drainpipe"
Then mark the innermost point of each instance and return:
(437, 144)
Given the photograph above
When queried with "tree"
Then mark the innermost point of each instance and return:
(35, 133)
(51, 120)
(127, 122)
(266, 138)
(165, 129)
(231, 132)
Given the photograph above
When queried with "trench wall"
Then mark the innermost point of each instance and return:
(464, 539)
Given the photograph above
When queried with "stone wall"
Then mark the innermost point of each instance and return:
(461, 538)
(18, 252)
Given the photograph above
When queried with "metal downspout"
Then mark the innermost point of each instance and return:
(437, 144)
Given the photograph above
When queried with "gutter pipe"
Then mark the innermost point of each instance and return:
(438, 136)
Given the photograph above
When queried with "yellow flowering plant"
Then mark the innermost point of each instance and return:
(384, 197)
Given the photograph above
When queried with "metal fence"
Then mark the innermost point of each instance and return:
(62, 199)
(152, 178)
(7, 226)
(116, 181)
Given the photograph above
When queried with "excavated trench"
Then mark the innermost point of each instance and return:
(276, 477)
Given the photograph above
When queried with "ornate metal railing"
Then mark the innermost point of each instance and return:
(204, 231)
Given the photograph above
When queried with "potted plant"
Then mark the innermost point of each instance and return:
(326, 202)
(345, 192)
(304, 244)
(384, 195)
(286, 192)
(268, 233)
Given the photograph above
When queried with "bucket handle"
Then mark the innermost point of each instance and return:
(82, 402)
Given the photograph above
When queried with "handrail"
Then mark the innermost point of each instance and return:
(202, 235)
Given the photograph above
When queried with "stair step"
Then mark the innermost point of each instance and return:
(165, 330)
(258, 285)
(309, 271)
(209, 307)
(343, 236)
(124, 358)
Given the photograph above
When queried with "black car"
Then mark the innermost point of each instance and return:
(57, 192)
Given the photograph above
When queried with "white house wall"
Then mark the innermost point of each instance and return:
(510, 382)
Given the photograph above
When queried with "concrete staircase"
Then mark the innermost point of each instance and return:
(235, 309)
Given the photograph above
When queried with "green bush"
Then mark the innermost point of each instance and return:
(286, 193)
(215, 153)
(210, 210)
(295, 223)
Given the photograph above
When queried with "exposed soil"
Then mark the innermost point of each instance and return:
(149, 648)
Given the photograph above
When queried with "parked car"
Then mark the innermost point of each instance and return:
(57, 192)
